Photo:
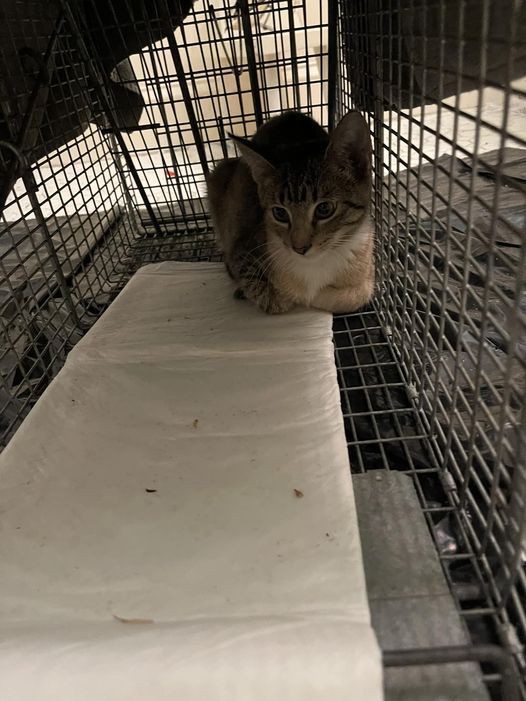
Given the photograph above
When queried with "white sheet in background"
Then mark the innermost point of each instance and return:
(187, 468)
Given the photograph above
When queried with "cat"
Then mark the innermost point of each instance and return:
(291, 215)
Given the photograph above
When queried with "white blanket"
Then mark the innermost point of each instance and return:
(177, 516)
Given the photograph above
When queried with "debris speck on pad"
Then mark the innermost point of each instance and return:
(195, 423)
(298, 493)
(133, 621)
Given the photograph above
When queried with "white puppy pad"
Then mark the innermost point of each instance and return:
(177, 511)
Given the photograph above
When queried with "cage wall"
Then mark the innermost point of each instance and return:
(444, 85)
(103, 163)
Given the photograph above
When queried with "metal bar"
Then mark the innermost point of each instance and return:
(167, 131)
(41, 83)
(29, 183)
(122, 177)
(517, 522)
(251, 59)
(516, 313)
(333, 63)
(101, 96)
(462, 653)
(294, 56)
(131, 130)
(187, 98)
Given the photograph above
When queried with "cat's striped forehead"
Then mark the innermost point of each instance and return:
(299, 185)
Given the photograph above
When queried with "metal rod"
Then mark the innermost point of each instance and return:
(251, 59)
(29, 183)
(516, 530)
(294, 57)
(130, 208)
(333, 48)
(130, 130)
(41, 84)
(452, 654)
(102, 97)
(187, 98)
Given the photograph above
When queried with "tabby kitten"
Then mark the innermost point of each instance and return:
(291, 215)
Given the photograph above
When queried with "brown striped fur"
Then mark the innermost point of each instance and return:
(290, 167)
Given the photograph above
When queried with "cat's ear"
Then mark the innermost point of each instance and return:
(260, 168)
(350, 144)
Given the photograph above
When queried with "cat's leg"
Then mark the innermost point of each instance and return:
(341, 300)
(270, 300)
(239, 294)
(258, 289)
(250, 272)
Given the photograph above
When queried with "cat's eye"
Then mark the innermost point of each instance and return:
(280, 214)
(324, 210)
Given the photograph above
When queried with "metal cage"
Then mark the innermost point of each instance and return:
(112, 114)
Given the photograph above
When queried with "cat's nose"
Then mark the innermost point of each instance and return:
(302, 250)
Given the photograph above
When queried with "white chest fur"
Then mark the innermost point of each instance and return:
(318, 269)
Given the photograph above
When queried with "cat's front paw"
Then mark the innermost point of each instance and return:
(267, 298)
(273, 303)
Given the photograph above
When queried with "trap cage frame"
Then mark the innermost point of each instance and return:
(432, 373)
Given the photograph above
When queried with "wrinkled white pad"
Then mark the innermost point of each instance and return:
(240, 577)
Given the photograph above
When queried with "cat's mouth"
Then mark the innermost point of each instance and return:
(302, 250)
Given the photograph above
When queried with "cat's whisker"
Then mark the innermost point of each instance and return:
(265, 268)
(271, 258)
(250, 255)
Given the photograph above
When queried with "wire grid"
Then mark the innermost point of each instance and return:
(450, 327)
(56, 212)
(431, 376)
(230, 67)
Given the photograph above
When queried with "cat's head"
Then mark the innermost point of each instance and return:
(314, 196)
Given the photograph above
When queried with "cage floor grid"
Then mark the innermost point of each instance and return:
(385, 432)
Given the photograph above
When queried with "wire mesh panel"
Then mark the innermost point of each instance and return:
(61, 193)
(113, 113)
(227, 69)
(443, 84)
